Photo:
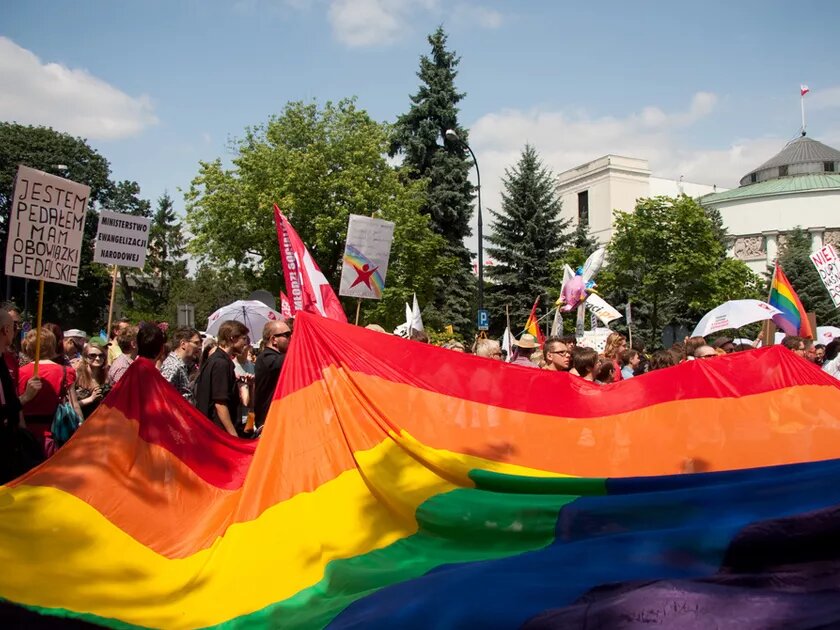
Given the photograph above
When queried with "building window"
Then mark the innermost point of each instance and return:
(583, 208)
(753, 178)
(783, 171)
(828, 167)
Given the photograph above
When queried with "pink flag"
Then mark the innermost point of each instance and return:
(308, 289)
(285, 306)
(803, 90)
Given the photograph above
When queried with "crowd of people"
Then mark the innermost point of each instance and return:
(227, 378)
(231, 380)
(619, 362)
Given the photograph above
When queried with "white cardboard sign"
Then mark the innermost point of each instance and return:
(122, 239)
(46, 227)
(827, 264)
(366, 255)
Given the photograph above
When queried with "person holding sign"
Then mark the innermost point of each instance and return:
(57, 383)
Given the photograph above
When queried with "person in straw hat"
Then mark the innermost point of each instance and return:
(523, 348)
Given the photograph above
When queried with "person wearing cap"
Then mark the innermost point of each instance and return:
(74, 342)
(523, 348)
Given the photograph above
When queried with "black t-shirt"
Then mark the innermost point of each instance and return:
(266, 374)
(10, 405)
(217, 384)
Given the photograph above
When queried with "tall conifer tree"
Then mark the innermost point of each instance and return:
(526, 237)
(795, 258)
(419, 137)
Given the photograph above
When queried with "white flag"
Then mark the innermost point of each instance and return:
(557, 325)
(507, 343)
(416, 318)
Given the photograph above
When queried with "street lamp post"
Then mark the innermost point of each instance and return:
(453, 137)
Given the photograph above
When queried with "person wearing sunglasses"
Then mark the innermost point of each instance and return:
(91, 382)
(276, 337)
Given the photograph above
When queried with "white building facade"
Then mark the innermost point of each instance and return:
(591, 191)
(798, 187)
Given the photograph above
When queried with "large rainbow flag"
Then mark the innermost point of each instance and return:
(400, 485)
(793, 319)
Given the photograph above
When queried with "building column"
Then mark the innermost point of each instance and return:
(771, 245)
(816, 238)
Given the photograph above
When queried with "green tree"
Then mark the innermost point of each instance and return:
(444, 167)
(60, 154)
(320, 166)
(794, 257)
(668, 258)
(209, 289)
(165, 264)
(526, 238)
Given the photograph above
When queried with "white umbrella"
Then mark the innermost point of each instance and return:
(253, 313)
(734, 314)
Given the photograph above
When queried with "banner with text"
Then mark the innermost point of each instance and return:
(122, 239)
(600, 309)
(366, 256)
(825, 260)
(46, 226)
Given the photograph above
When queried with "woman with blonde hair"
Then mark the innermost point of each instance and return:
(91, 384)
(616, 344)
(57, 384)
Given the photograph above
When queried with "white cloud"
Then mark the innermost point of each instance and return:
(360, 23)
(565, 139)
(67, 99)
(478, 16)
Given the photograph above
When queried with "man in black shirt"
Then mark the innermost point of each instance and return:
(217, 395)
(19, 451)
(276, 336)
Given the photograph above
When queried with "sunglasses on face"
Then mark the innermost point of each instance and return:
(287, 334)
(95, 356)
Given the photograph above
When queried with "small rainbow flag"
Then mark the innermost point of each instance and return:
(793, 319)
(532, 326)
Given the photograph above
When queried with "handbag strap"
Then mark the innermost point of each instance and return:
(62, 392)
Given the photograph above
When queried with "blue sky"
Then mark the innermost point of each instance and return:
(705, 90)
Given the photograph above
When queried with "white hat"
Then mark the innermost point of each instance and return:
(75, 332)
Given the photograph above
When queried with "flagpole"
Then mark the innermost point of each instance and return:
(111, 303)
(358, 308)
(802, 106)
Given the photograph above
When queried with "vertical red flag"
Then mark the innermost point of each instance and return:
(285, 306)
(308, 289)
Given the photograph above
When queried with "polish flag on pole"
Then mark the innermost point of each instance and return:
(803, 90)
(308, 288)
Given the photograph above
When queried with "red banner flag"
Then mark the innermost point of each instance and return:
(285, 306)
(308, 288)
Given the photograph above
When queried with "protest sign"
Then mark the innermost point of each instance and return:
(46, 226)
(366, 255)
(595, 339)
(122, 239)
(825, 260)
(600, 309)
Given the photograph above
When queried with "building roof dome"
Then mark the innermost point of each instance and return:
(802, 156)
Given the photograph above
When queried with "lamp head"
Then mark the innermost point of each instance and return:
(451, 135)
